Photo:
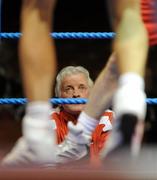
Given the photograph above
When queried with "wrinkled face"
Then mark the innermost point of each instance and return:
(74, 86)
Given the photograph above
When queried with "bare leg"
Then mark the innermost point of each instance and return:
(104, 88)
(131, 46)
(36, 49)
(100, 96)
(38, 66)
(131, 42)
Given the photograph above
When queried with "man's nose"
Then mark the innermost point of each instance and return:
(76, 93)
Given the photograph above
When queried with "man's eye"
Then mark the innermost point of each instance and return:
(82, 87)
(68, 89)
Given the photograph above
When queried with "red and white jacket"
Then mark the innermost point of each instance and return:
(61, 118)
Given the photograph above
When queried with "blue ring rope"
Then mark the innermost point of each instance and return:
(53, 100)
(150, 101)
(66, 35)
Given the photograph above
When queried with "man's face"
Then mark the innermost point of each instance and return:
(74, 86)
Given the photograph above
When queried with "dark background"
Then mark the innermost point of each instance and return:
(70, 16)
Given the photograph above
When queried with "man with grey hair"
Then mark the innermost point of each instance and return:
(75, 82)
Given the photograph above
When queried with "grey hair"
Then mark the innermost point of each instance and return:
(68, 70)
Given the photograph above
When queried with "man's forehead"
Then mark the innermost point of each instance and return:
(74, 77)
(74, 80)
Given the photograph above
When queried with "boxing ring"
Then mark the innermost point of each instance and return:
(123, 167)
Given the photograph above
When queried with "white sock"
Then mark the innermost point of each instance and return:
(132, 79)
(88, 123)
(130, 96)
(37, 121)
(38, 110)
(38, 132)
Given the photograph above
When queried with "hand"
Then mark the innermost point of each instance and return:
(75, 146)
